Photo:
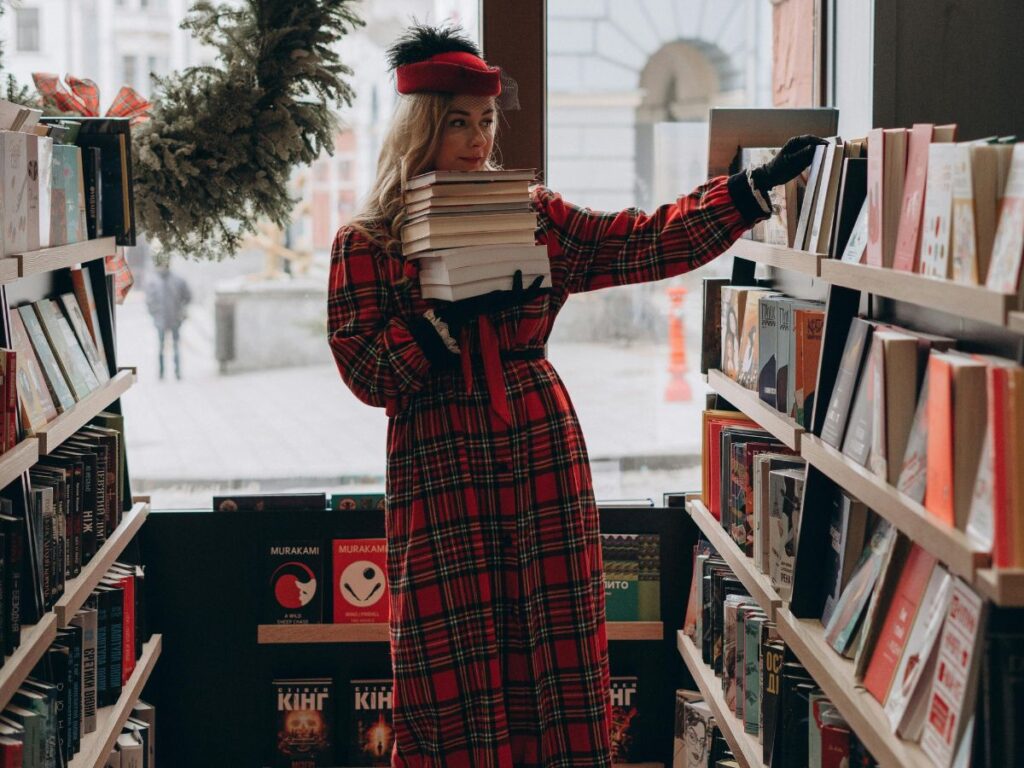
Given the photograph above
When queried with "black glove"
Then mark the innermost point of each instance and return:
(456, 314)
(795, 155)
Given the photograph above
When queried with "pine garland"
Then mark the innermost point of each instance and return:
(218, 151)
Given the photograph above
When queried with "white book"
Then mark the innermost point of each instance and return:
(964, 248)
(14, 191)
(454, 258)
(440, 274)
(938, 211)
(477, 288)
(40, 165)
(1008, 247)
(854, 251)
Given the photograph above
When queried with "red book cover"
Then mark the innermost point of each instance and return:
(835, 746)
(899, 619)
(11, 752)
(127, 584)
(360, 581)
(11, 402)
(1002, 540)
(938, 495)
(711, 460)
(908, 236)
(6, 381)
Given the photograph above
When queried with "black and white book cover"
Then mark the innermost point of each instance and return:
(293, 583)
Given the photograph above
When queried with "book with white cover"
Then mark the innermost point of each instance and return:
(457, 240)
(454, 258)
(470, 177)
(40, 163)
(439, 274)
(938, 211)
(14, 194)
(430, 226)
(477, 288)
(1008, 247)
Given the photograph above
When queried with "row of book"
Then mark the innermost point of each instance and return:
(306, 718)
(54, 519)
(771, 694)
(84, 670)
(697, 740)
(469, 232)
(937, 424)
(299, 502)
(63, 180)
(293, 575)
(913, 200)
(136, 744)
(60, 352)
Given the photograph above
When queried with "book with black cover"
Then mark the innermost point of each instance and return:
(773, 656)
(271, 502)
(357, 501)
(853, 192)
(1003, 696)
(711, 347)
(304, 723)
(293, 582)
(13, 531)
(790, 743)
(111, 600)
(92, 164)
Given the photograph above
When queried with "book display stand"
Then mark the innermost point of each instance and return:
(29, 277)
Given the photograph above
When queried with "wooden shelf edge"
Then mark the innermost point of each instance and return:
(744, 746)
(61, 428)
(1015, 322)
(973, 302)
(35, 639)
(781, 427)
(779, 256)
(61, 256)
(948, 544)
(757, 584)
(834, 675)
(297, 634)
(9, 268)
(97, 745)
(1003, 586)
(15, 462)
(78, 589)
(635, 630)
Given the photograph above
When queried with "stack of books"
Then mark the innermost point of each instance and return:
(471, 231)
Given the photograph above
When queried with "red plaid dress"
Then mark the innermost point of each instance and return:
(494, 558)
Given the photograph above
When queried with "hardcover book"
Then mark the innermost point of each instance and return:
(847, 529)
(293, 587)
(767, 336)
(80, 281)
(711, 346)
(1008, 246)
(625, 722)
(908, 232)
(808, 331)
(887, 160)
(621, 576)
(786, 490)
(935, 258)
(36, 403)
(749, 344)
(857, 341)
(699, 734)
(14, 180)
(72, 360)
(59, 390)
(357, 501)
(360, 581)
(964, 245)
(373, 735)
(304, 723)
(40, 184)
(78, 323)
(67, 208)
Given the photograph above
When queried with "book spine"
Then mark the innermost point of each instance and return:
(13, 584)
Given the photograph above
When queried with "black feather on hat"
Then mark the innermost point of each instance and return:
(420, 42)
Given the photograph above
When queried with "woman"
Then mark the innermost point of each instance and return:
(494, 560)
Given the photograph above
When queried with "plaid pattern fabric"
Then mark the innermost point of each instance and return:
(494, 560)
(81, 96)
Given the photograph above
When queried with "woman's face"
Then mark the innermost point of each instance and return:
(467, 134)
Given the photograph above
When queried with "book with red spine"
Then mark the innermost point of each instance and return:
(126, 582)
(360, 584)
(11, 399)
(908, 235)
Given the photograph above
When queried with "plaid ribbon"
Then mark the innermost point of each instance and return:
(81, 96)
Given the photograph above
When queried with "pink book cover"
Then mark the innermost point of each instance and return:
(876, 173)
(909, 233)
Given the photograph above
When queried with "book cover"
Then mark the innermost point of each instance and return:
(899, 618)
(701, 550)
(858, 437)
(36, 404)
(846, 617)
(783, 354)
(786, 489)
(734, 304)
(357, 501)
(764, 464)
(989, 168)
(271, 502)
(40, 182)
(293, 591)
(953, 688)
(907, 681)
(699, 725)
(913, 477)
(621, 557)
(825, 204)
(86, 620)
(857, 243)
(479, 287)
(749, 344)
(711, 457)
(767, 338)
(791, 743)
(723, 584)
(66, 349)
(304, 723)
(58, 386)
(1002, 694)
(1008, 245)
(896, 379)
(908, 233)
(773, 655)
(82, 287)
(751, 681)
(857, 341)
(625, 721)
(964, 245)
(848, 520)
(808, 331)
(729, 638)
(852, 195)
(360, 581)
(66, 224)
(648, 595)
(711, 345)
(373, 734)
(14, 180)
(934, 259)
(683, 697)
(807, 206)
(76, 319)
(886, 167)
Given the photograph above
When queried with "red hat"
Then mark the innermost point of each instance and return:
(442, 60)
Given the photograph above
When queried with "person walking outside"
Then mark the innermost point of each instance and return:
(167, 299)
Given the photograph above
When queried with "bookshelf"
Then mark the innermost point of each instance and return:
(779, 256)
(63, 256)
(66, 424)
(292, 634)
(77, 590)
(18, 460)
(948, 544)
(782, 427)
(35, 639)
(96, 746)
(743, 745)
(1015, 322)
(8, 270)
(1003, 586)
(757, 584)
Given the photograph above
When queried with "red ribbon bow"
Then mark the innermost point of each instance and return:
(81, 96)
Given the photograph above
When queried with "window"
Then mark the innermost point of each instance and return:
(27, 25)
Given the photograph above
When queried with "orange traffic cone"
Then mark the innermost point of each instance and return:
(678, 389)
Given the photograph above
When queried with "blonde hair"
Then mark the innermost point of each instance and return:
(409, 149)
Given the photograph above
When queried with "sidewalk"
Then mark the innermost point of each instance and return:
(301, 427)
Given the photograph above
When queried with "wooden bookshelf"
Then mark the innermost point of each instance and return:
(782, 427)
(18, 460)
(81, 413)
(972, 302)
(834, 674)
(292, 634)
(779, 256)
(948, 544)
(78, 589)
(1003, 586)
(61, 256)
(8, 269)
(35, 639)
(1015, 322)
(109, 720)
(757, 584)
(744, 745)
